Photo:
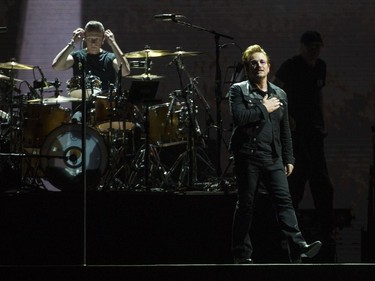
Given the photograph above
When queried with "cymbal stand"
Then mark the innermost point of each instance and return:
(14, 153)
(188, 159)
(148, 62)
(10, 136)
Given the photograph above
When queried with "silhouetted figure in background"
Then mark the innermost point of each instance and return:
(303, 78)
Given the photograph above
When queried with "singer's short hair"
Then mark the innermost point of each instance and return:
(94, 25)
(250, 51)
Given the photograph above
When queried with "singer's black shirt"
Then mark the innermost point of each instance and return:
(265, 151)
(100, 65)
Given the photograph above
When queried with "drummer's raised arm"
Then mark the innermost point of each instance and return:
(63, 59)
(120, 58)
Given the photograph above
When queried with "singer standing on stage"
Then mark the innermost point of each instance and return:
(262, 148)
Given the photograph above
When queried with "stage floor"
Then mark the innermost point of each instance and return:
(194, 272)
(144, 236)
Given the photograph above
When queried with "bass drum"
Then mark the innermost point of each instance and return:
(62, 158)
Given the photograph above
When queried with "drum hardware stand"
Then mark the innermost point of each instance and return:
(218, 82)
(143, 161)
(222, 183)
(14, 133)
(29, 174)
(14, 130)
(188, 159)
(110, 180)
(31, 170)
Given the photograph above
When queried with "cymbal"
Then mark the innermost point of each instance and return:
(148, 53)
(59, 99)
(185, 53)
(145, 76)
(15, 65)
(4, 77)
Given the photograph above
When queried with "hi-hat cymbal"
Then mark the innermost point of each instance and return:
(59, 99)
(15, 65)
(47, 88)
(145, 76)
(4, 77)
(148, 53)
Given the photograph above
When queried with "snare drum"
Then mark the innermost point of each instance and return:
(39, 120)
(92, 84)
(63, 166)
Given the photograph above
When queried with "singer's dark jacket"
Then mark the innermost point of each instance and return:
(249, 115)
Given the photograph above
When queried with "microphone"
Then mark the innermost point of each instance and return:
(3, 29)
(4, 115)
(55, 83)
(168, 118)
(168, 17)
(173, 60)
(34, 94)
(41, 72)
(42, 75)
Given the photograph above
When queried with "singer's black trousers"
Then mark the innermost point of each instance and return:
(248, 174)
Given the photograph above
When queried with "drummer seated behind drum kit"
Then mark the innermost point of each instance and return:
(115, 127)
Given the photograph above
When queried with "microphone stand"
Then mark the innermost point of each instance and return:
(83, 118)
(218, 82)
(83, 135)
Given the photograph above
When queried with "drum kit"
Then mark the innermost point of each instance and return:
(122, 138)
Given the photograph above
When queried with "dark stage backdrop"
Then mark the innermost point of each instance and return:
(38, 29)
